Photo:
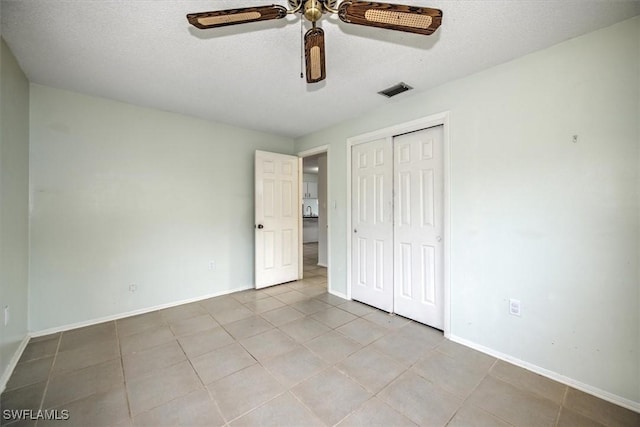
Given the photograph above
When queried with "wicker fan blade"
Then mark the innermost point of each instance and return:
(222, 18)
(314, 55)
(412, 19)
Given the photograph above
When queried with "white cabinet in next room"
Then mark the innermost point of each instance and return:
(310, 190)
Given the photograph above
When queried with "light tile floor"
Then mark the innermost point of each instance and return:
(290, 355)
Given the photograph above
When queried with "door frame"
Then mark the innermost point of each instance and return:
(301, 155)
(389, 132)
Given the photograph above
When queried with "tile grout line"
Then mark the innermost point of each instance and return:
(330, 366)
(562, 402)
(46, 386)
(257, 407)
(376, 396)
(373, 394)
(465, 400)
(237, 341)
(288, 389)
(334, 365)
(397, 379)
(530, 393)
(124, 377)
(68, 372)
(215, 402)
(166, 323)
(295, 396)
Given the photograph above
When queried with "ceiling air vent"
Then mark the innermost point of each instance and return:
(395, 90)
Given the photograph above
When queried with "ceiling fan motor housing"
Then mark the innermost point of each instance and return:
(313, 10)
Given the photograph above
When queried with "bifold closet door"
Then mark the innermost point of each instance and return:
(418, 226)
(372, 223)
(397, 220)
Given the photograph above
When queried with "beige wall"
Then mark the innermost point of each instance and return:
(123, 195)
(534, 216)
(14, 205)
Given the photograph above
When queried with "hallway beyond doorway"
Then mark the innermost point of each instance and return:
(312, 271)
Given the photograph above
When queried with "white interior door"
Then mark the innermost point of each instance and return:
(372, 223)
(276, 218)
(418, 226)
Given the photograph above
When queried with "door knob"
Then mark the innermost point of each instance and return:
(439, 238)
(355, 230)
(260, 226)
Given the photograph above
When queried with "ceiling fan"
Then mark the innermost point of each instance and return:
(412, 19)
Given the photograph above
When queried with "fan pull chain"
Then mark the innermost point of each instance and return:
(301, 50)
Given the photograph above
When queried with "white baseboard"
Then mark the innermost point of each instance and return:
(132, 313)
(322, 264)
(338, 294)
(602, 394)
(13, 362)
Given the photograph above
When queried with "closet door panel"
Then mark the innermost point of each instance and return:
(371, 218)
(418, 226)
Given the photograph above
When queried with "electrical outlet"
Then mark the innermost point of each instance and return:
(6, 315)
(515, 308)
(212, 265)
(133, 287)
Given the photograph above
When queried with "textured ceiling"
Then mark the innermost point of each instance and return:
(144, 52)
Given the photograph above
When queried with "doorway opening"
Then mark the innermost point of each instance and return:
(314, 203)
